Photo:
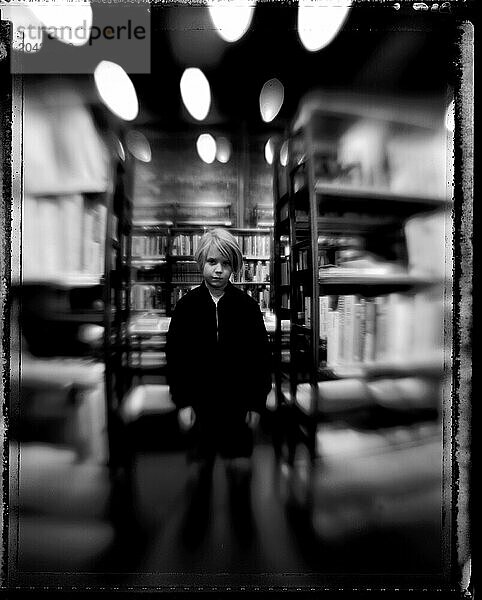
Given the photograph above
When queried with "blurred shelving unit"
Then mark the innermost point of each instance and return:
(361, 265)
(73, 318)
(70, 303)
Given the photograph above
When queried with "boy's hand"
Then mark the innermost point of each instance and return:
(252, 419)
(186, 417)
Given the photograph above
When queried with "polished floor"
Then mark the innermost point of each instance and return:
(369, 511)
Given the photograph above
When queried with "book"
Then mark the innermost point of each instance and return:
(428, 319)
(50, 236)
(341, 328)
(72, 208)
(359, 330)
(307, 305)
(380, 350)
(332, 338)
(368, 350)
(324, 308)
(400, 326)
(349, 327)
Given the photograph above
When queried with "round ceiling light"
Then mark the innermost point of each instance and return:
(206, 147)
(116, 90)
(195, 93)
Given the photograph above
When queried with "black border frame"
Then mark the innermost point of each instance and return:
(464, 294)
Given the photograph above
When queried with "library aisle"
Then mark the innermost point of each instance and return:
(377, 515)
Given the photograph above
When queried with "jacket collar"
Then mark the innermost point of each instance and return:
(227, 290)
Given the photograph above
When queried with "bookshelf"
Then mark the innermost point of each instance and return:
(163, 267)
(117, 291)
(361, 263)
(71, 300)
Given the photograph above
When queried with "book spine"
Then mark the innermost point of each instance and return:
(380, 328)
(88, 234)
(349, 329)
(51, 247)
(72, 210)
(341, 329)
(399, 333)
(369, 338)
(324, 307)
(307, 306)
(333, 338)
(100, 230)
(359, 330)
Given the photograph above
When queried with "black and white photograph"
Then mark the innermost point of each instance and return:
(236, 296)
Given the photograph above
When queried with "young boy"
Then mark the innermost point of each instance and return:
(218, 357)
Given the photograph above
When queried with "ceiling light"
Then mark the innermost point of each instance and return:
(206, 147)
(283, 154)
(120, 149)
(223, 149)
(232, 20)
(116, 90)
(69, 21)
(269, 151)
(319, 21)
(195, 93)
(271, 99)
(138, 146)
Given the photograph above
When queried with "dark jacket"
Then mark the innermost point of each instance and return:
(218, 368)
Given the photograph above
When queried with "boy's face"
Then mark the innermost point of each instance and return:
(217, 270)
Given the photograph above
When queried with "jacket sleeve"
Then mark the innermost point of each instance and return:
(176, 343)
(261, 367)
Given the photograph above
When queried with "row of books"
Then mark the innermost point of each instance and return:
(285, 272)
(302, 260)
(255, 245)
(263, 215)
(147, 297)
(262, 297)
(257, 271)
(63, 237)
(285, 300)
(332, 249)
(429, 247)
(367, 155)
(185, 244)
(186, 271)
(390, 327)
(152, 274)
(149, 245)
(148, 324)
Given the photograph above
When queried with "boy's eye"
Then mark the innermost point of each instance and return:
(213, 261)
